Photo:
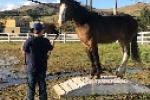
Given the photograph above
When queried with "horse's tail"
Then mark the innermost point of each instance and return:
(134, 49)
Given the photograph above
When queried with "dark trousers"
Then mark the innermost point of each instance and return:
(32, 79)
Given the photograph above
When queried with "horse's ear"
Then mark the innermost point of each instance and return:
(63, 1)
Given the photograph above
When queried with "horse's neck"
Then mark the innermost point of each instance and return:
(80, 20)
(81, 16)
(81, 29)
(84, 18)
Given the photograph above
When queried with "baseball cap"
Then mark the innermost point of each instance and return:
(38, 27)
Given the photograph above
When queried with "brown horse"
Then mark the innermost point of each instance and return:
(50, 28)
(93, 29)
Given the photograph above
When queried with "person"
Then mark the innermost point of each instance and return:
(36, 49)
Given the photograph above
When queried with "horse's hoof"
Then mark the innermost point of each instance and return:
(92, 77)
(97, 77)
(119, 74)
(93, 72)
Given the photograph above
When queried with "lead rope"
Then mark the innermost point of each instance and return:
(45, 4)
(56, 36)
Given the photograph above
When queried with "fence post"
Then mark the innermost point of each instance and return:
(27, 35)
(142, 38)
(64, 37)
(45, 35)
(8, 37)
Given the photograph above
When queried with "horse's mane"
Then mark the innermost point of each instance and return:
(50, 28)
(87, 15)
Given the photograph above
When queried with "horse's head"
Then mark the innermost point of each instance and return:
(66, 10)
(50, 28)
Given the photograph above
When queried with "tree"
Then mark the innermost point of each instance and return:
(34, 14)
(144, 20)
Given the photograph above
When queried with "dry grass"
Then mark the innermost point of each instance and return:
(71, 56)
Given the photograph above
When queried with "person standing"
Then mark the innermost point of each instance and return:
(36, 49)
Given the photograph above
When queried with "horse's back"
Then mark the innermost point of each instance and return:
(119, 23)
(111, 28)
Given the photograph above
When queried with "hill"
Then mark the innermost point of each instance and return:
(134, 9)
(52, 9)
(36, 9)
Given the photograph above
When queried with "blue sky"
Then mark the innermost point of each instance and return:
(10, 4)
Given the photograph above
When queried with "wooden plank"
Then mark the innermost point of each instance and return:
(77, 80)
(85, 79)
(59, 90)
(81, 86)
(111, 76)
(72, 84)
(65, 87)
(112, 81)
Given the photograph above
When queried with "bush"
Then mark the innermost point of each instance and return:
(144, 20)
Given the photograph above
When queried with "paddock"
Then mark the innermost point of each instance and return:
(62, 63)
(69, 68)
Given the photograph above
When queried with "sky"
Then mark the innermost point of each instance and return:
(102, 4)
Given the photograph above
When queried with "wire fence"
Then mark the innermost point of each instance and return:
(143, 37)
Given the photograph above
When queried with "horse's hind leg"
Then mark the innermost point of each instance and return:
(126, 53)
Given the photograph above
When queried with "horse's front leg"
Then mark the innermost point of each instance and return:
(96, 61)
(92, 53)
(126, 53)
(90, 56)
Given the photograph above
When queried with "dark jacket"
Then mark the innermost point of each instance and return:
(36, 49)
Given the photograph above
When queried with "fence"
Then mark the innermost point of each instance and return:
(143, 37)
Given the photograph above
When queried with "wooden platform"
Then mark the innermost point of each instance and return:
(106, 85)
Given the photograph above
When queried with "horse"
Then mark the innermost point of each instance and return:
(51, 28)
(93, 29)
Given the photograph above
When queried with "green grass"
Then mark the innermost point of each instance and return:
(72, 56)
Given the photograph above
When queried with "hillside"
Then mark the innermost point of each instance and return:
(52, 9)
(134, 9)
(33, 9)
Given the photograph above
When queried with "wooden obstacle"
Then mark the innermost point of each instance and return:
(106, 85)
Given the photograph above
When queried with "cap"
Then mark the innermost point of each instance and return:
(38, 27)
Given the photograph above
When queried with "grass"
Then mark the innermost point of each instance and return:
(72, 56)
